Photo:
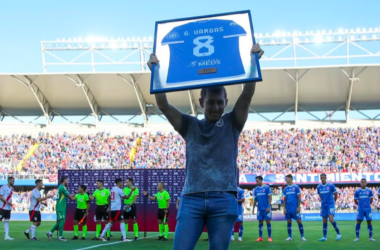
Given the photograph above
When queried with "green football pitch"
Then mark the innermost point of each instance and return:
(313, 231)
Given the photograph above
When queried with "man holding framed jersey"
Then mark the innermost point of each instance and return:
(209, 194)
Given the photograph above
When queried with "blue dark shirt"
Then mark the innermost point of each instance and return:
(364, 198)
(204, 44)
(211, 152)
(326, 192)
(261, 195)
(291, 194)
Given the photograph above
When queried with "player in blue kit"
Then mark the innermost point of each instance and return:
(241, 199)
(292, 206)
(200, 45)
(263, 196)
(328, 195)
(364, 198)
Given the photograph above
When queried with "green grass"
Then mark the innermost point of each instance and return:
(312, 232)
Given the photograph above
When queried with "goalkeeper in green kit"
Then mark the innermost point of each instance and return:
(61, 208)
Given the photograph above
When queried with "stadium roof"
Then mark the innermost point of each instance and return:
(319, 89)
(302, 72)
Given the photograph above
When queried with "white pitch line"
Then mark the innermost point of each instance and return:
(113, 243)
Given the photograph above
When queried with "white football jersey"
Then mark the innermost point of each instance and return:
(34, 203)
(116, 195)
(6, 192)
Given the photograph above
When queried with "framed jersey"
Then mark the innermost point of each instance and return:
(204, 51)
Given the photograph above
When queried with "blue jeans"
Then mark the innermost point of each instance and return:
(217, 211)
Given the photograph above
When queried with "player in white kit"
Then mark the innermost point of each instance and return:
(34, 209)
(117, 195)
(6, 193)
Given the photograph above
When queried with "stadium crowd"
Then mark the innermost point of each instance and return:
(273, 151)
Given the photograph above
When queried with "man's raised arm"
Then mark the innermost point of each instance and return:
(241, 108)
(171, 113)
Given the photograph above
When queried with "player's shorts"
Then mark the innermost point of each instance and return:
(364, 213)
(263, 215)
(117, 215)
(161, 214)
(240, 215)
(35, 216)
(292, 214)
(101, 212)
(5, 214)
(131, 214)
(327, 211)
(61, 215)
(80, 214)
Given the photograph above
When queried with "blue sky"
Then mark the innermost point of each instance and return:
(25, 23)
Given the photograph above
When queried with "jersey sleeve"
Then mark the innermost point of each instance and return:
(269, 191)
(371, 194)
(318, 191)
(86, 198)
(356, 195)
(95, 194)
(36, 195)
(167, 196)
(298, 191)
(333, 189)
(174, 36)
(254, 193)
(233, 29)
(120, 192)
(136, 192)
(2, 191)
(63, 190)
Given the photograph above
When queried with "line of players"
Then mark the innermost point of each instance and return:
(108, 208)
(327, 192)
(262, 198)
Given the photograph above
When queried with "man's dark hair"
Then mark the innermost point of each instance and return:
(259, 178)
(163, 184)
(118, 180)
(10, 178)
(363, 179)
(83, 187)
(38, 181)
(101, 181)
(130, 179)
(214, 90)
(289, 176)
(63, 178)
(323, 174)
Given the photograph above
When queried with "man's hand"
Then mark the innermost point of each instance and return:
(108, 210)
(285, 211)
(176, 206)
(145, 193)
(9, 203)
(128, 206)
(49, 196)
(45, 204)
(298, 209)
(268, 210)
(166, 211)
(152, 60)
(256, 49)
(133, 188)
